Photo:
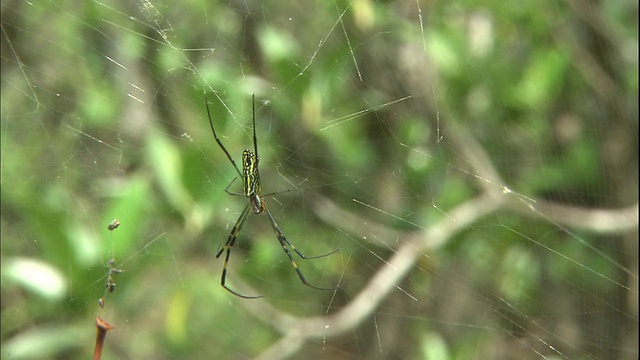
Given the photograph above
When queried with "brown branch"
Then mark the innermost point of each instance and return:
(102, 327)
(297, 330)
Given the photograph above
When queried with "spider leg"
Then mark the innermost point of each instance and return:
(297, 187)
(284, 242)
(232, 192)
(255, 138)
(233, 236)
(313, 257)
(215, 135)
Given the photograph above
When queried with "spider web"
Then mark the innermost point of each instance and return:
(475, 165)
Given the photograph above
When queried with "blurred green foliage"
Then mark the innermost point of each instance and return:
(103, 117)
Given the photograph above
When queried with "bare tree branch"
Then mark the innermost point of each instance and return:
(296, 330)
(495, 197)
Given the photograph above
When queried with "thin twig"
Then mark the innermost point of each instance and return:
(102, 327)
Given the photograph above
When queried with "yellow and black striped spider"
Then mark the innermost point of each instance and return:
(250, 175)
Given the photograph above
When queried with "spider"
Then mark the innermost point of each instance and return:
(250, 175)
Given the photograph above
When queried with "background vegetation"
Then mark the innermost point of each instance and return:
(401, 113)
